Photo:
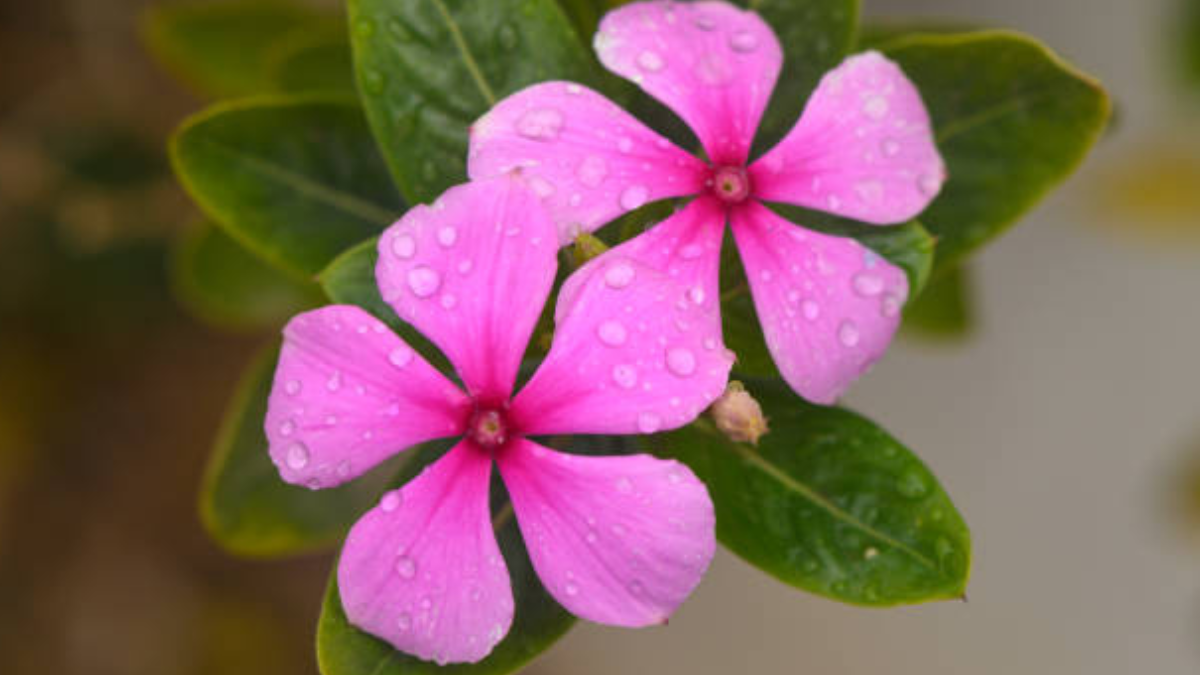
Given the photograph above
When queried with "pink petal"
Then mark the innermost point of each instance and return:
(472, 273)
(828, 306)
(635, 350)
(712, 63)
(588, 159)
(349, 393)
(616, 540)
(863, 148)
(422, 569)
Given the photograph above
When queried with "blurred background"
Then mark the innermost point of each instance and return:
(1065, 424)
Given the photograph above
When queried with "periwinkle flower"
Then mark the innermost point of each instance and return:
(863, 148)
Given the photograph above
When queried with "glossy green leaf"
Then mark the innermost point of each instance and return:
(218, 48)
(313, 62)
(816, 35)
(830, 503)
(909, 246)
(1012, 121)
(244, 504)
(296, 179)
(228, 286)
(537, 623)
(876, 33)
(429, 68)
(350, 280)
(944, 309)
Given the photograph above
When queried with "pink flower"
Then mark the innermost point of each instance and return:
(617, 540)
(862, 149)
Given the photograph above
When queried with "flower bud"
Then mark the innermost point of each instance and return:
(738, 415)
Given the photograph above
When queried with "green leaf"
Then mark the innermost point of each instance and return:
(226, 285)
(244, 504)
(908, 246)
(944, 309)
(816, 35)
(296, 179)
(876, 33)
(830, 503)
(218, 48)
(313, 62)
(350, 280)
(1188, 38)
(1012, 121)
(537, 623)
(429, 68)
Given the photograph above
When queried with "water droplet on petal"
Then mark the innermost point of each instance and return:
(696, 294)
(400, 356)
(403, 245)
(648, 422)
(743, 41)
(405, 567)
(624, 144)
(681, 361)
(929, 184)
(811, 309)
(619, 275)
(287, 428)
(404, 621)
(650, 62)
(870, 190)
(391, 501)
(571, 588)
(423, 281)
(704, 22)
(292, 387)
(624, 485)
(447, 235)
(867, 285)
(449, 300)
(625, 375)
(464, 267)
(889, 307)
(634, 196)
(890, 147)
(848, 334)
(612, 333)
(592, 171)
(691, 251)
(297, 456)
(875, 107)
(540, 124)
(334, 382)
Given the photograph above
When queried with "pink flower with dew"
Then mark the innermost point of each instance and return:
(617, 540)
(863, 149)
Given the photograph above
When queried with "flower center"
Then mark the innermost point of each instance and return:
(731, 184)
(488, 427)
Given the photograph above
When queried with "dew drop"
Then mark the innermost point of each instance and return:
(875, 107)
(624, 145)
(403, 245)
(912, 485)
(867, 285)
(681, 361)
(889, 307)
(648, 422)
(334, 382)
(540, 124)
(423, 281)
(447, 235)
(624, 485)
(612, 333)
(743, 42)
(810, 309)
(541, 187)
(292, 387)
(650, 62)
(287, 428)
(619, 275)
(391, 501)
(571, 588)
(848, 334)
(870, 191)
(929, 184)
(625, 375)
(449, 301)
(404, 621)
(373, 81)
(890, 147)
(297, 456)
(691, 251)
(634, 196)
(507, 36)
(405, 567)
(704, 22)
(696, 295)
(400, 356)
(592, 171)
(464, 267)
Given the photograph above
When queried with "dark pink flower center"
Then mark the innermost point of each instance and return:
(488, 426)
(730, 184)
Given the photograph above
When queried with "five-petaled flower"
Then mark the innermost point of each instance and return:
(619, 540)
(863, 149)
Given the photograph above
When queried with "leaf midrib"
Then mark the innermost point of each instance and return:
(351, 204)
(990, 113)
(762, 464)
(465, 51)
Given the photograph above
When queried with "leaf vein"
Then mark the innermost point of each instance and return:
(467, 57)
